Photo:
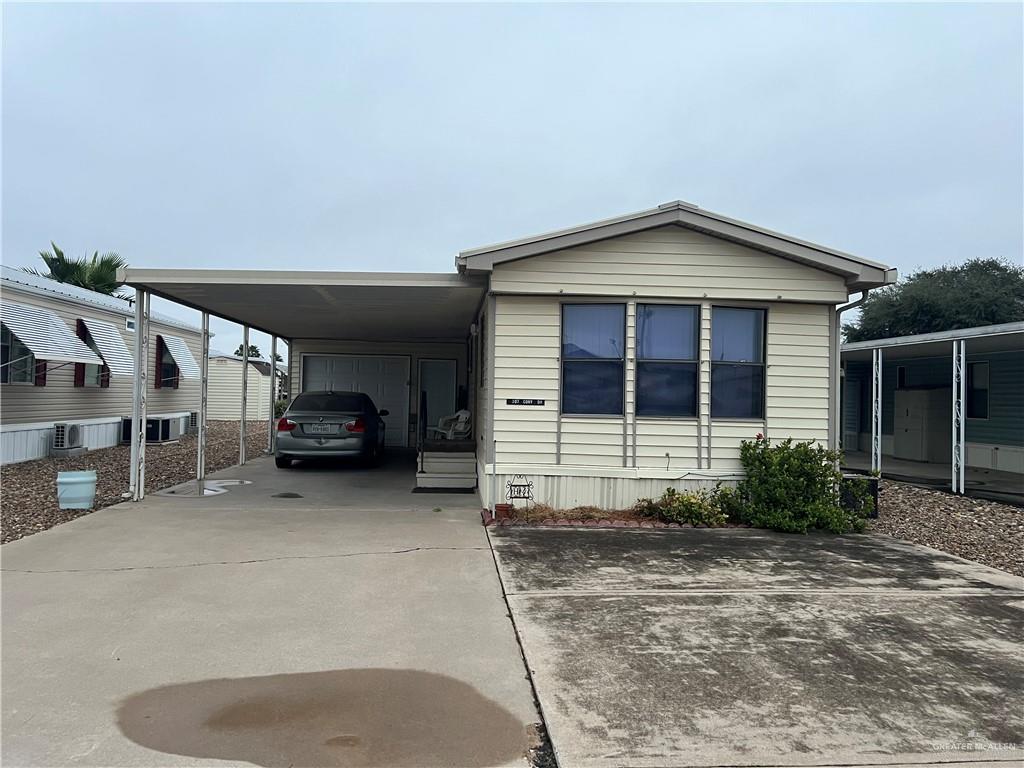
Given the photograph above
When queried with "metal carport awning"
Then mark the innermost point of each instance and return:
(365, 306)
(371, 306)
(46, 335)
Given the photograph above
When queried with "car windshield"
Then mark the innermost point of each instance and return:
(328, 401)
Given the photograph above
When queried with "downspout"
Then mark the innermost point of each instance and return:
(837, 361)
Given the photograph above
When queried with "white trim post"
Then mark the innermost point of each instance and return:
(204, 380)
(959, 393)
(142, 329)
(876, 410)
(138, 386)
(245, 393)
(271, 432)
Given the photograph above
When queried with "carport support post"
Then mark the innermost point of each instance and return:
(137, 469)
(271, 432)
(204, 379)
(876, 410)
(245, 393)
(958, 421)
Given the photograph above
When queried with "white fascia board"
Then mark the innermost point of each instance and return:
(926, 338)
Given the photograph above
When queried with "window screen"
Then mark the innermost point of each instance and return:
(593, 357)
(737, 363)
(666, 368)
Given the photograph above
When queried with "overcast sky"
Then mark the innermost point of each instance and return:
(389, 137)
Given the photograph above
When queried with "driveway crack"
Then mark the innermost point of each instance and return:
(405, 551)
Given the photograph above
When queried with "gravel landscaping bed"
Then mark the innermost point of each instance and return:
(984, 531)
(28, 490)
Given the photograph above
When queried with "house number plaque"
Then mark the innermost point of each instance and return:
(522, 401)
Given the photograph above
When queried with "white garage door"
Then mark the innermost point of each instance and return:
(384, 379)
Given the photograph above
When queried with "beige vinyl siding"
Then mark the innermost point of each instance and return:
(61, 400)
(797, 378)
(675, 437)
(669, 262)
(526, 345)
(224, 393)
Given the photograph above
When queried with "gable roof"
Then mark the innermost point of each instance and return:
(15, 279)
(858, 272)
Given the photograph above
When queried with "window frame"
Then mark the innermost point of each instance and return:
(623, 360)
(695, 362)
(159, 382)
(763, 365)
(969, 380)
(30, 366)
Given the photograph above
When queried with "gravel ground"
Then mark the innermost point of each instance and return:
(28, 490)
(984, 531)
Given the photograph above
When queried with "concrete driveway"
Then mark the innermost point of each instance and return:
(742, 647)
(348, 623)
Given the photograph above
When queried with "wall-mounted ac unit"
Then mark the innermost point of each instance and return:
(193, 423)
(157, 430)
(67, 436)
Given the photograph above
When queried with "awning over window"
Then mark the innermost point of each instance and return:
(114, 351)
(182, 355)
(45, 334)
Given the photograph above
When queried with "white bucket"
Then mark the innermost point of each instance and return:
(76, 490)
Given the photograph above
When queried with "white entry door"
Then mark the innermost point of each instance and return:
(384, 379)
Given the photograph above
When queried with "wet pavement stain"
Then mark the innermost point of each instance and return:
(344, 717)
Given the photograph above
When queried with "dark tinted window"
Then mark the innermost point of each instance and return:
(592, 387)
(593, 362)
(737, 391)
(326, 401)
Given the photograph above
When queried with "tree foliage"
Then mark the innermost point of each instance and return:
(254, 352)
(977, 292)
(98, 273)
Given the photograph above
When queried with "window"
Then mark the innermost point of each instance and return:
(737, 363)
(18, 365)
(666, 360)
(593, 358)
(166, 367)
(90, 374)
(901, 377)
(129, 324)
(977, 390)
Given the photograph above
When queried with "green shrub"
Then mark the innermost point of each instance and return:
(730, 503)
(697, 507)
(793, 487)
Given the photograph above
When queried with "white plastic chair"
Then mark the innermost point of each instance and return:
(454, 427)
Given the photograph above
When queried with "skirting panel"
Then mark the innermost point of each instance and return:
(565, 491)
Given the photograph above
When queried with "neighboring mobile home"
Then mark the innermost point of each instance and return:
(224, 396)
(913, 416)
(68, 358)
(601, 363)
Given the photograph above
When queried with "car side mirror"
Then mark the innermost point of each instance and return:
(383, 412)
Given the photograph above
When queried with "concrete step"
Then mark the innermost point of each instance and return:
(433, 462)
(445, 480)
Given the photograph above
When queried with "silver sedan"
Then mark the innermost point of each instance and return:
(330, 424)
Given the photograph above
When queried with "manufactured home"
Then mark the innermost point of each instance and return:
(68, 364)
(945, 408)
(225, 388)
(598, 364)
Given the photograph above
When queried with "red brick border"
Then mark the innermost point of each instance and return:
(488, 520)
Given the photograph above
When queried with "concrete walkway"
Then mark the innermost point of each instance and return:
(741, 647)
(355, 624)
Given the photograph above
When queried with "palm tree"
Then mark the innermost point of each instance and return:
(96, 274)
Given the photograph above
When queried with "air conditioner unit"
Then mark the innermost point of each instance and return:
(193, 423)
(157, 430)
(67, 436)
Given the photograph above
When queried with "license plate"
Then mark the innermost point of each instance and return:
(320, 429)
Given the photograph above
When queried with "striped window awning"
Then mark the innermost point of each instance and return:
(187, 365)
(113, 350)
(46, 335)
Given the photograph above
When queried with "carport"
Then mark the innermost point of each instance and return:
(942, 408)
(407, 339)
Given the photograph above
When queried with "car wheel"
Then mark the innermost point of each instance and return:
(282, 462)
